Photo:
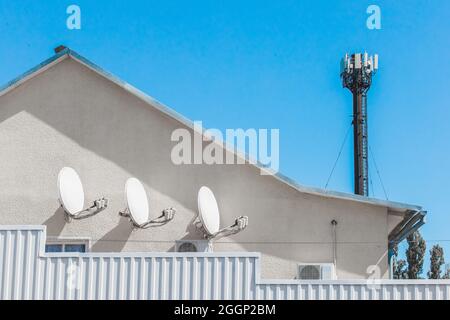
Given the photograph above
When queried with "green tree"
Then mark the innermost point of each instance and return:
(415, 254)
(399, 266)
(437, 260)
(447, 272)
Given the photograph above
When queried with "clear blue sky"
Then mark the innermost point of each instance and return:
(275, 64)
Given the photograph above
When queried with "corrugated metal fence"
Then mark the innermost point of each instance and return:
(27, 272)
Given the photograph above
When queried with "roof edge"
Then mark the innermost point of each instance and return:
(14, 83)
(67, 52)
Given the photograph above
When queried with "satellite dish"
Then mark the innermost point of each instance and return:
(71, 193)
(71, 196)
(137, 208)
(209, 216)
(137, 202)
(208, 210)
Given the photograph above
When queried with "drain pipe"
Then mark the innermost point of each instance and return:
(334, 224)
(391, 260)
(410, 224)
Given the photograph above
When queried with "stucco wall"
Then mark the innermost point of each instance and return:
(70, 116)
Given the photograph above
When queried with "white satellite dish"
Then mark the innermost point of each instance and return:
(71, 196)
(209, 216)
(208, 210)
(136, 200)
(137, 207)
(71, 193)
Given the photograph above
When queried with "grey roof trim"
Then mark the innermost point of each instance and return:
(33, 72)
(392, 206)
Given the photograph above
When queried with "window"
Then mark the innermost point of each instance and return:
(69, 245)
(74, 248)
(53, 248)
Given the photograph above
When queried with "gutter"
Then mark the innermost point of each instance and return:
(412, 221)
(64, 52)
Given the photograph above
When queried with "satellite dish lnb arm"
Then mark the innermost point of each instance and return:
(239, 224)
(166, 216)
(98, 206)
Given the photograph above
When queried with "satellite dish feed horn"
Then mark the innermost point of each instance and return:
(71, 196)
(209, 217)
(137, 207)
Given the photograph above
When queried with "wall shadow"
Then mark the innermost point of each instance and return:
(192, 233)
(115, 239)
(106, 120)
(56, 223)
(117, 126)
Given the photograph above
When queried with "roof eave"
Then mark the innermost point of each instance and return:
(11, 85)
(67, 52)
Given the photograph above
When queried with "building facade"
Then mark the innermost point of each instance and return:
(69, 112)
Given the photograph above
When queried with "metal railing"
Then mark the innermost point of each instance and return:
(27, 272)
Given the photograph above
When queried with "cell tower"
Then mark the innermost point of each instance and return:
(356, 73)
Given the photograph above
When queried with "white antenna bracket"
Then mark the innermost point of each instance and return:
(166, 216)
(98, 206)
(239, 224)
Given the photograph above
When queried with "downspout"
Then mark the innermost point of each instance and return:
(410, 224)
(412, 221)
(334, 224)
(391, 262)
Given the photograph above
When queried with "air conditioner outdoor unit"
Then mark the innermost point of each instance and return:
(193, 246)
(318, 271)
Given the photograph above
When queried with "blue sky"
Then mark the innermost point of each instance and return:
(275, 64)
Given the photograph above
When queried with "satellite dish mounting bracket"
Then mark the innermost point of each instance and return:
(239, 224)
(166, 216)
(98, 206)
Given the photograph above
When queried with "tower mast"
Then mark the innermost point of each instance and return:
(356, 74)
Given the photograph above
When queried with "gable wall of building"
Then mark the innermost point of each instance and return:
(71, 116)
